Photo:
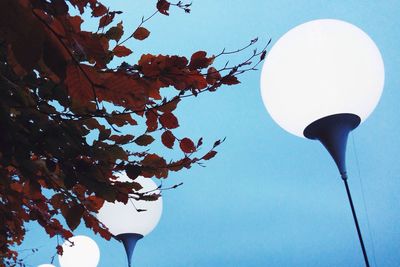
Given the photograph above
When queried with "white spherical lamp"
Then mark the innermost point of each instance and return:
(320, 68)
(320, 81)
(132, 221)
(46, 265)
(79, 251)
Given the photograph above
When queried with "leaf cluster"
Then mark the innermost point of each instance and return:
(55, 86)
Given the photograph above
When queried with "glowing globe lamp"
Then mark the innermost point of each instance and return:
(320, 81)
(46, 265)
(132, 221)
(322, 72)
(80, 250)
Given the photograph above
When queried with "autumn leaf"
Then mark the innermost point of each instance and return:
(144, 140)
(170, 105)
(199, 60)
(121, 139)
(70, 114)
(59, 250)
(121, 51)
(141, 33)
(230, 80)
(163, 7)
(99, 10)
(209, 155)
(115, 33)
(94, 202)
(74, 216)
(133, 171)
(168, 139)
(151, 120)
(106, 19)
(79, 87)
(187, 145)
(169, 121)
(213, 75)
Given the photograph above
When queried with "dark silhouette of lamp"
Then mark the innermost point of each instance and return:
(320, 81)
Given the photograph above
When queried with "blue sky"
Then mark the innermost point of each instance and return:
(269, 198)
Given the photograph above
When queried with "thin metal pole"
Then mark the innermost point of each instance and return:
(344, 178)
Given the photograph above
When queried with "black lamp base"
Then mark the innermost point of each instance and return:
(129, 241)
(332, 131)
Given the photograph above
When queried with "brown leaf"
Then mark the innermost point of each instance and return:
(170, 105)
(99, 10)
(163, 7)
(168, 120)
(168, 139)
(121, 139)
(144, 140)
(187, 145)
(230, 80)
(141, 33)
(115, 33)
(151, 121)
(79, 87)
(121, 51)
(74, 216)
(213, 76)
(199, 60)
(121, 119)
(94, 203)
(59, 250)
(209, 155)
(133, 171)
(106, 19)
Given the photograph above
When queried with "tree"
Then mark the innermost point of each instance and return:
(57, 88)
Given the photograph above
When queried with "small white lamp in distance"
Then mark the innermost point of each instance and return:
(137, 218)
(79, 251)
(46, 265)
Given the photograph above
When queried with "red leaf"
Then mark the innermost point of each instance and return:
(151, 121)
(170, 105)
(74, 215)
(115, 33)
(76, 22)
(121, 51)
(121, 139)
(169, 121)
(107, 19)
(154, 165)
(209, 155)
(187, 145)
(163, 7)
(79, 88)
(168, 139)
(200, 61)
(121, 119)
(141, 33)
(99, 10)
(59, 250)
(60, 7)
(94, 203)
(144, 140)
(16, 187)
(133, 171)
(230, 80)
(213, 76)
